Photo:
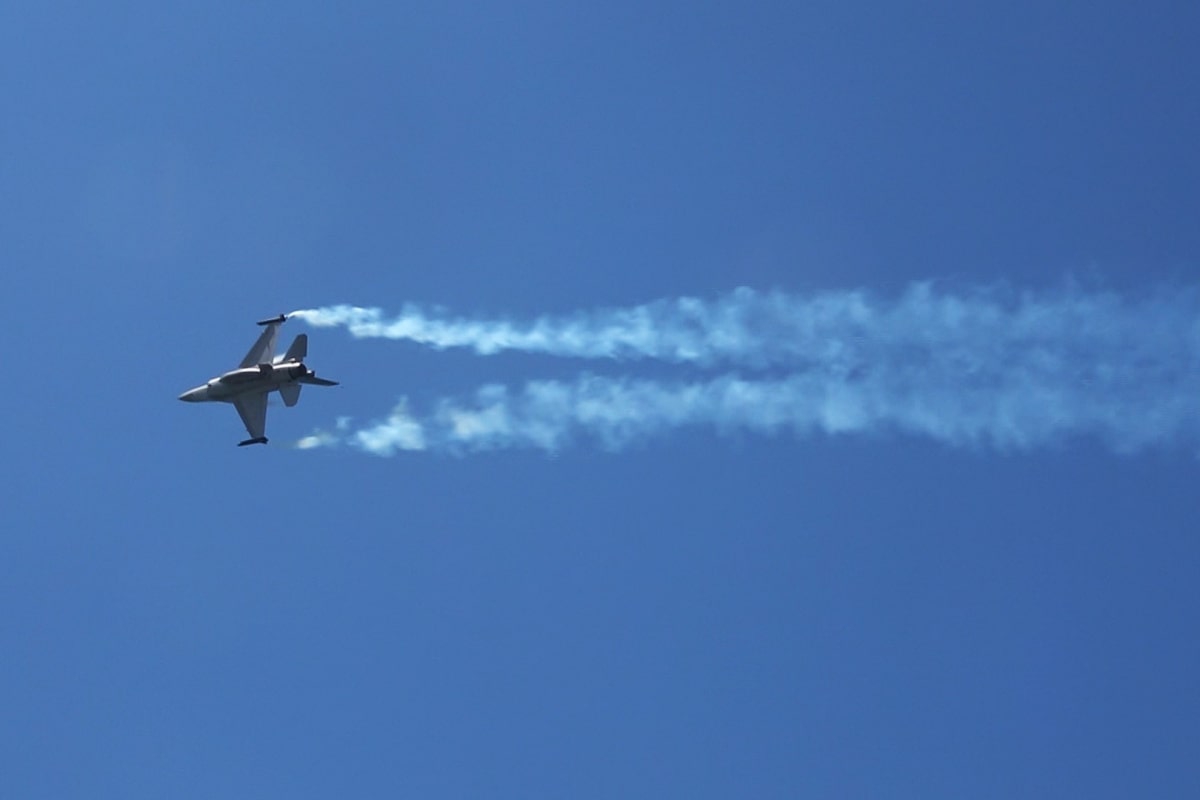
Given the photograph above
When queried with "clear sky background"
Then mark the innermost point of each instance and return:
(703, 614)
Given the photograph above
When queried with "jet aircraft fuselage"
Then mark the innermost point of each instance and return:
(258, 375)
(247, 380)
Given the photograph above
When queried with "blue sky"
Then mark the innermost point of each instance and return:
(710, 610)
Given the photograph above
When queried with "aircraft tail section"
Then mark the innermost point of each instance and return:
(298, 350)
(290, 392)
(315, 381)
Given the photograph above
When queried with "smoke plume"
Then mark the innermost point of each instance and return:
(981, 368)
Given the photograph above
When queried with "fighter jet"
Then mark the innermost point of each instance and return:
(258, 375)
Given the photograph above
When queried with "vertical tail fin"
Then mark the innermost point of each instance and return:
(298, 350)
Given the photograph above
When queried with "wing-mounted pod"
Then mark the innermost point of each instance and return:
(273, 320)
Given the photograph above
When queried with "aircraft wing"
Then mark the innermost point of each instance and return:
(252, 408)
(264, 349)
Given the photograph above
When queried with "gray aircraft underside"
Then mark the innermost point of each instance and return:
(257, 376)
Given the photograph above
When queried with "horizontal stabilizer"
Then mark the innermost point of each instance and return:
(315, 381)
(256, 440)
(290, 392)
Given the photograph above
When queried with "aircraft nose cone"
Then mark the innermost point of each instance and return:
(191, 395)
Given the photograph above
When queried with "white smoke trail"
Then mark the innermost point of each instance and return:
(968, 369)
(830, 330)
(1019, 407)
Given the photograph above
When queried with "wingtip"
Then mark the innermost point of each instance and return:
(273, 320)
(257, 440)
